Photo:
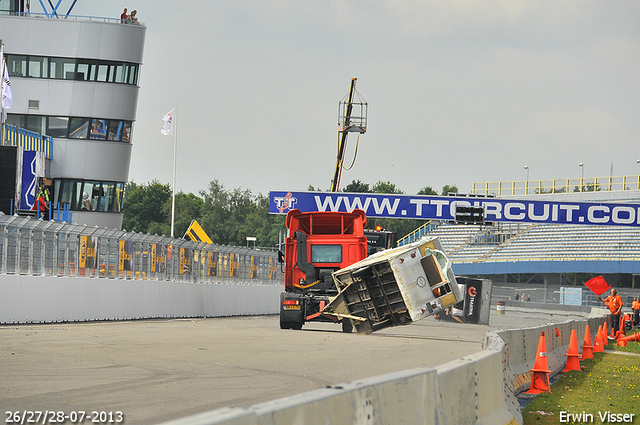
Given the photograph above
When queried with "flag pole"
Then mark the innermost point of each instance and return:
(175, 151)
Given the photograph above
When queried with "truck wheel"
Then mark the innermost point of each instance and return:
(347, 326)
(296, 325)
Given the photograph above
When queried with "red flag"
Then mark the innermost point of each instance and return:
(598, 285)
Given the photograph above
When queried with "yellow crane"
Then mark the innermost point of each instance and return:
(348, 122)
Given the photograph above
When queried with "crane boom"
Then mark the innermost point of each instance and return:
(344, 131)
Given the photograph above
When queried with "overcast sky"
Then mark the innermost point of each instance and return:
(458, 91)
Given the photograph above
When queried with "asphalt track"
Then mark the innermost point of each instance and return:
(156, 370)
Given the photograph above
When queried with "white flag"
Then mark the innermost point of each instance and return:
(7, 97)
(168, 123)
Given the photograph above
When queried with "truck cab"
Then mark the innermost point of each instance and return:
(318, 244)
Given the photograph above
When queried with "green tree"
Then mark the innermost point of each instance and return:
(188, 208)
(229, 217)
(447, 189)
(427, 190)
(144, 206)
(266, 227)
(357, 187)
(385, 187)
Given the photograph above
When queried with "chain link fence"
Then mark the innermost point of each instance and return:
(36, 247)
(565, 295)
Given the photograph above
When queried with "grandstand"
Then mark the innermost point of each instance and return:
(538, 242)
(550, 250)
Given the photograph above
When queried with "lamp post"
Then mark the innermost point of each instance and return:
(526, 167)
(581, 165)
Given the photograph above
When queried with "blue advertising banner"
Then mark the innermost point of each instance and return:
(30, 173)
(444, 207)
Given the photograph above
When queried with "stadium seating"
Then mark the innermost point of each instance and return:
(542, 242)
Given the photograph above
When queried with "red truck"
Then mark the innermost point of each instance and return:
(318, 244)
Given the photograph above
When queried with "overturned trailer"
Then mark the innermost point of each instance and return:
(395, 287)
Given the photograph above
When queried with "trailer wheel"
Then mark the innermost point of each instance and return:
(347, 326)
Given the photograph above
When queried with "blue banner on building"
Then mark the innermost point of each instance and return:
(32, 168)
(444, 207)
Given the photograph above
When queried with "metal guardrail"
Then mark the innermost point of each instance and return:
(28, 140)
(528, 187)
(32, 246)
(418, 233)
(61, 15)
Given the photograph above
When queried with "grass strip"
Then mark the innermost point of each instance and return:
(604, 391)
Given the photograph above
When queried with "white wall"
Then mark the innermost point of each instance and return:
(39, 299)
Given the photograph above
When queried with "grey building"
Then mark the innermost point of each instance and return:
(76, 79)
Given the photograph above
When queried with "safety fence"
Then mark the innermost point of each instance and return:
(539, 187)
(30, 246)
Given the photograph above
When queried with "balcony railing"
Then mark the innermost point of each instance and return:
(28, 140)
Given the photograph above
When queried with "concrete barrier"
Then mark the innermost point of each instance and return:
(480, 389)
(522, 346)
(39, 299)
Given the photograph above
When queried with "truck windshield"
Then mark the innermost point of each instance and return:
(326, 253)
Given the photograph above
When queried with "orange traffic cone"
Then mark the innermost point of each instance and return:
(598, 347)
(540, 377)
(635, 337)
(622, 326)
(587, 348)
(573, 362)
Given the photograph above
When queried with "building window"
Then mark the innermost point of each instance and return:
(86, 70)
(17, 65)
(58, 127)
(74, 128)
(63, 68)
(72, 69)
(79, 128)
(115, 130)
(103, 72)
(66, 191)
(38, 67)
(89, 195)
(118, 198)
(107, 196)
(28, 122)
(133, 74)
(126, 131)
(98, 129)
(120, 74)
